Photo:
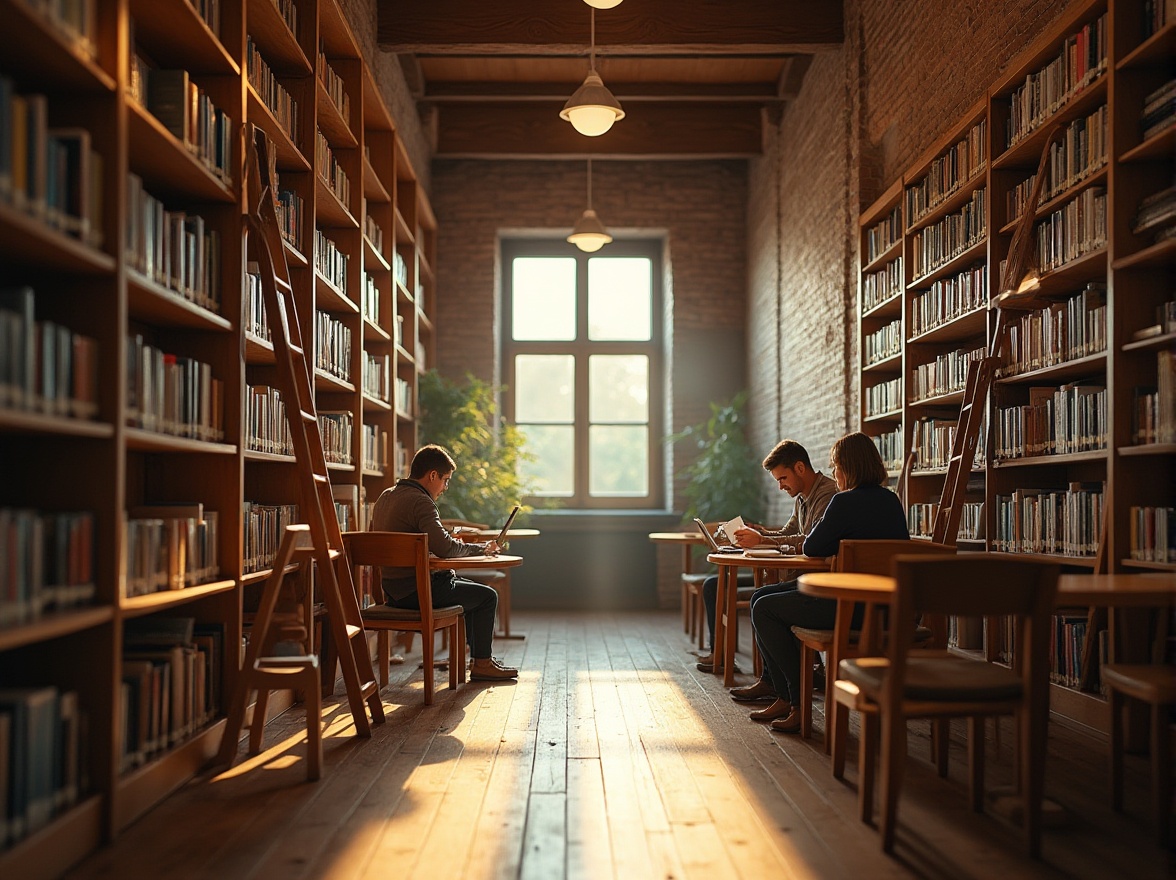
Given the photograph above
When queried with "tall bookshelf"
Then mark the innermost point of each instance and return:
(161, 367)
(1103, 284)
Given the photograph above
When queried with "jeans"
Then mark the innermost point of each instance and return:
(773, 615)
(710, 592)
(479, 601)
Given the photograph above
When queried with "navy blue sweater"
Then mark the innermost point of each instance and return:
(865, 513)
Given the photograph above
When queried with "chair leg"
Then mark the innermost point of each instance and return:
(1034, 725)
(832, 710)
(976, 762)
(257, 728)
(837, 720)
(806, 691)
(757, 662)
(1115, 704)
(451, 630)
(940, 734)
(867, 765)
(686, 597)
(1161, 769)
(893, 764)
(700, 619)
(427, 647)
(460, 648)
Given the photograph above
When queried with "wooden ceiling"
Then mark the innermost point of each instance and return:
(697, 78)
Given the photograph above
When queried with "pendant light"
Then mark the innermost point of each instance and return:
(603, 4)
(592, 109)
(589, 234)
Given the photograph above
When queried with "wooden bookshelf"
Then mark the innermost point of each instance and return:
(1142, 269)
(114, 459)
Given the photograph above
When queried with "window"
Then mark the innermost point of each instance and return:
(583, 369)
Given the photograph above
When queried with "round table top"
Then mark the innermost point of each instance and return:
(677, 537)
(776, 561)
(847, 585)
(511, 534)
(1145, 590)
(462, 562)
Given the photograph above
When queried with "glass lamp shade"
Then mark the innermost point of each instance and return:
(603, 4)
(592, 109)
(589, 234)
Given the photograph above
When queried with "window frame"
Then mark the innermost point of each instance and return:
(580, 349)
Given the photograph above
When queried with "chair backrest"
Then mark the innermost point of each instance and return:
(877, 557)
(978, 585)
(396, 550)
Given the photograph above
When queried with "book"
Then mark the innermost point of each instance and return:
(33, 741)
(18, 362)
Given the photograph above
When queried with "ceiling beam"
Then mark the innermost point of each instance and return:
(659, 131)
(651, 27)
(474, 92)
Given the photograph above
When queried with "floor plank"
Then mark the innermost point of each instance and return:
(611, 757)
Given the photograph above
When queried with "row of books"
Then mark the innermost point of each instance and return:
(400, 268)
(168, 547)
(1080, 153)
(370, 298)
(1080, 227)
(932, 440)
(944, 375)
(52, 173)
(1152, 534)
(289, 12)
(1156, 214)
(1055, 521)
(44, 366)
(44, 765)
(266, 426)
(72, 20)
(373, 230)
(404, 398)
(880, 286)
(881, 236)
(1154, 416)
(330, 262)
(256, 320)
(187, 112)
(377, 374)
(883, 398)
(333, 83)
(335, 428)
(1063, 331)
(960, 164)
(171, 684)
(172, 395)
(1156, 14)
(375, 449)
(272, 93)
(288, 205)
(347, 506)
(47, 564)
(1067, 641)
(210, 11)
(890, 448)
(175, 249)
(1159, 110)
(1081, 59)
(1056, 421)
(332, 346)
(948, 299)
(921, 520)
(942, 242)
(401, 466)
(264, 525)
(330, 170)
(883, 343)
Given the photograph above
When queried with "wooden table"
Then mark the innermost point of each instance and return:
(727, 595)
(687, 541)
(465, 533)
(499, 562)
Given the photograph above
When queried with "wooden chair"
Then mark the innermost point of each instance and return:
(865, 557)
(408, 550)
(897, 687)
(693, 612)
(1154, 684)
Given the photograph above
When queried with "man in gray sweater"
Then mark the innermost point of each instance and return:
(411, 506)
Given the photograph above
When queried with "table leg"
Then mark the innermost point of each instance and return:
(688, 621)
(503, 590)
(730, 599)
(721, 591)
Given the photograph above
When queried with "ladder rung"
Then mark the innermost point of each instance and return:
(321, 479)
(295, 349)
(353, 631)
(369, 689)
(307, 417)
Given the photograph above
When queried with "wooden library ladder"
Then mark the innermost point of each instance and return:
(294, 381)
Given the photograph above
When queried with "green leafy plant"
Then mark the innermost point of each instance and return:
(723, 480)
(461, 417)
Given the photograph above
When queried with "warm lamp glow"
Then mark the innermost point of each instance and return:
(603, 4)
(589, 234)
(592, 109)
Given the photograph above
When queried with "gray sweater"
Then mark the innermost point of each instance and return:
(808, 511)
(408, 507)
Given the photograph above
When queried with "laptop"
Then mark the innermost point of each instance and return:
(502, 534)
(710, 539)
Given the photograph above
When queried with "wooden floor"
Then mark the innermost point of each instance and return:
(611, 757)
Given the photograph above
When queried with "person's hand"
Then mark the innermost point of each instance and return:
(492, 548)
(748, 538)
